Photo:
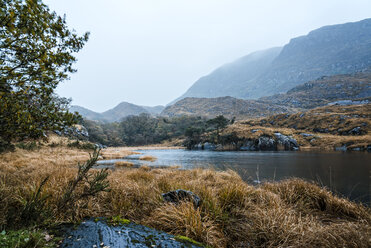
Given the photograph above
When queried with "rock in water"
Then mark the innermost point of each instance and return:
(92, 233)
(179, 195)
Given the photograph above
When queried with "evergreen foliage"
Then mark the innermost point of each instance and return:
(36, 54)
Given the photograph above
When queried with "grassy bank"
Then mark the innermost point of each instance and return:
(324, 128)
(232, 214)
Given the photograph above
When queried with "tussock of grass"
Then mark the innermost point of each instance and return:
(124, 164)
(116, 153)
(145, 167)
(291, 213)
(148, 158)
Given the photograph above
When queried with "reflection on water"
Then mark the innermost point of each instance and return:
(348, 174)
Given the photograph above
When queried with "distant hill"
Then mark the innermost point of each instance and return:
(227, 106)
(330, 50)
(156, 110)
(326, 90)
(122, 110)
(86, 113)
(338, 89)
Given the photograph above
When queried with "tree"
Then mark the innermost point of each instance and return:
(219, 123)
(193, 136)
(36, 54)
(138, 130)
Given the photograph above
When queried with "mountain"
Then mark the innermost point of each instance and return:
(86, 113)
(231, 79)
(227, 106)
(355, 87)
(122, 110)
(330, 50)
(344, 89)
(156, 110)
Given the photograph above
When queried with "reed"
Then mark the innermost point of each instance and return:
(148, 158)
(290, 213)
(124, 164)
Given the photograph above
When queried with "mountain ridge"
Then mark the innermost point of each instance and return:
(336, 89)
(329, 50)
(121, 110)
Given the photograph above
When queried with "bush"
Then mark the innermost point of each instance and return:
(81, 145)
(29, 146)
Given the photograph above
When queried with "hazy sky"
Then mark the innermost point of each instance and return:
(149, 52)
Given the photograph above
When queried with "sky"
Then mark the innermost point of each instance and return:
(149, 52)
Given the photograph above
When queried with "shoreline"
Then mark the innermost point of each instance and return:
(233, 211)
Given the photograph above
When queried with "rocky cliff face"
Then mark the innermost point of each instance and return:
(355, 87)
(330, 50)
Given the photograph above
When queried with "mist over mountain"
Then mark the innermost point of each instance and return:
(231, 79)
(330, 50)
(328, 60)
(122, 110)
(346, 89)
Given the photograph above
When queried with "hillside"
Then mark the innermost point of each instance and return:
(326, 90)
(330, 50)
(227, 106)
(335, 119)
(338, 89)
(232, 78)
(332, 127)
(156, 110)
(87, 113)
(122, 110)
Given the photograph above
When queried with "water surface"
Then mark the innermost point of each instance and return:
(347, 174)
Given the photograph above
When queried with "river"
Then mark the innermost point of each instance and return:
(347, 174)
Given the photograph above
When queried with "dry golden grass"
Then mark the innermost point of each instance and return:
(145, 167)
(124, 164)
(337, 120)
(320, 141)
(291, 213)
(117, 152)
(148, 158)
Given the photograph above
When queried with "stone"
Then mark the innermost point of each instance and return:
(355, 131)
(288, 143)
(179, 195)
(306, 134)
(341, 148)
(249, 145)
(208, 146)
(98, 233)
(266, 144)
(320, 130)
(59, 133)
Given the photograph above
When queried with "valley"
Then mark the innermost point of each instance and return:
(269, 150)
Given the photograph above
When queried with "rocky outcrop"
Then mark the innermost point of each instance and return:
(100, 234)
(180, 195)
(278, 142)
(286, 143)
(347, 89)
(78, 131)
